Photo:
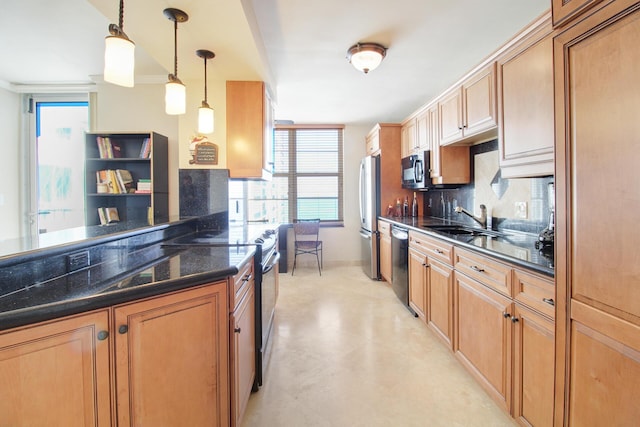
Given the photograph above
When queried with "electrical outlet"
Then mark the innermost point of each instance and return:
(521, 210)
(77, 261)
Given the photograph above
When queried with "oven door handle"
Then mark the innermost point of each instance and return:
(276, 259)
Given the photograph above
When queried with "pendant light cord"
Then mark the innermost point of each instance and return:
(205, 79)
(175, 48)
(121, 16)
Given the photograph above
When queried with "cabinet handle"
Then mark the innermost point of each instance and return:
(246, 278)
(459, 127)
(237, 330)
(549, 301)
(478, 269)
(123, 329)
(425, 265)
(438, 251)
(514, 319)
(506, 315)
(103, 335)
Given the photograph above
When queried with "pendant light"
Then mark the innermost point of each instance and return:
(175, 98)
(366, 56)
(119, 54)
(205, 113)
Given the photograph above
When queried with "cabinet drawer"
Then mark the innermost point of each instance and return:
(487, 271)
(535, 291)
(433, 248)
(384, 228)
(241, 283)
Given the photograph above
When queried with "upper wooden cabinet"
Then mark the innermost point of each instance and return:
(249, 130)
(565, 10)
(57, 373)
(468, 112)
(387, 137)
(415, 134)
(526, 105)
(449, 164)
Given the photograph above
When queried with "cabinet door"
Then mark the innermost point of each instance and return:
(408, 138)
(246, 130)
(450, 117)
(479, 102)
(434, 141)
(385, 257)
(171, 359)
(482, 338)
(373, 143)
(604, 369)
(533, 382)
(422, 132)
(243, 355)
(565, 10)
(526, 110)
(440, 300)
(56, 373)
(418, 283)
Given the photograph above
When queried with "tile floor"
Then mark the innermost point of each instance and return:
(345, 352)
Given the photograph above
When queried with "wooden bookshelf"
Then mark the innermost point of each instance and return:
(112, 151)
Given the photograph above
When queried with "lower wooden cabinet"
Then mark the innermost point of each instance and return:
(385, 250)
(242, 347)
(533, 371)
(440, 300)
(483, 337)
(418, 283)
(56, 373)
(171, 359)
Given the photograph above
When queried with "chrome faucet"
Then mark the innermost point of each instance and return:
(482, 219)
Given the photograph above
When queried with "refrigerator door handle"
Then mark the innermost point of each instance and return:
(364, 235)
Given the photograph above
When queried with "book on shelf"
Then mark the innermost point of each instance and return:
(143, 186)
(108, 215)
(108, 149)
(125, 180)
(117, 181)
(145, 148)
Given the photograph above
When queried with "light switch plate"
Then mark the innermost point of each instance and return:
(521, 210)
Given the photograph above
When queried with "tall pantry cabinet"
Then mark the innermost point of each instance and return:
(597, 102)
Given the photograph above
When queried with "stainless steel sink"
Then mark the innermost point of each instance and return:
(463, 230)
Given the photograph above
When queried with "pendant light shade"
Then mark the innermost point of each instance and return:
(119, 54)
(366, 56)
(175, 92)
(205, 119)
(175, 97)
(205, 113)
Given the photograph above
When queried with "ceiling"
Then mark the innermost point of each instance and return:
(297, 46)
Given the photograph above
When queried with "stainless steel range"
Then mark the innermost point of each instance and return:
(266, 261)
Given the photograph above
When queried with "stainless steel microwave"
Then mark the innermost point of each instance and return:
(416, 171)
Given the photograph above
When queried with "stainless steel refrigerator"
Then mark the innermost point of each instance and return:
(369, 211)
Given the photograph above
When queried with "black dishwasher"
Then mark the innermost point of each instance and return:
(400, 264)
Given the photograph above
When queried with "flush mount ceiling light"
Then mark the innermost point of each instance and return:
(205, 113)
(175, 97)
(119, 57)
(366, 56)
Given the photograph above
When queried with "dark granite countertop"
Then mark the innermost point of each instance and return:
(511, 246)
(131, 275)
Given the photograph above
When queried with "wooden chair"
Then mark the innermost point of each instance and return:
(306, 232)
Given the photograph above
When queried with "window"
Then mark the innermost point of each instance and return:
(306, 183)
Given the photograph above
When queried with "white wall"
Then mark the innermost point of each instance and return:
(10, 224)
(341, 245)
(140, 109)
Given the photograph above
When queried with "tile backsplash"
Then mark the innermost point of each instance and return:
(517, 204)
